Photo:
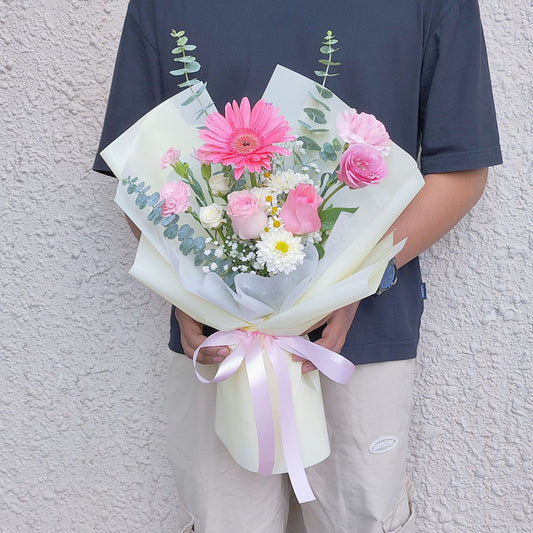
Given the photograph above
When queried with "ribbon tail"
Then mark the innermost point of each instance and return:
(289, 432)
(264, 421)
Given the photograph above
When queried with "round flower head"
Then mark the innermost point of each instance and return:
(280, 251)
(362, 165)
(245, 137)
(171, 157)
(357, 127)
(176, 195)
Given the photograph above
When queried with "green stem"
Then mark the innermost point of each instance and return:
(191, 87)
(327, 68)
(329, 196)
(253, 180)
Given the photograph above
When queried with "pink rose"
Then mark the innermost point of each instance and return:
(300, 211)
(176, 195)
(171, 156)
(247, 216)
(362, 165)
(357, 127)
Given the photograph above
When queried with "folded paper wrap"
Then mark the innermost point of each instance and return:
(263, 317)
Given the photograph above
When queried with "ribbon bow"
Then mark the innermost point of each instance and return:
(250, 346)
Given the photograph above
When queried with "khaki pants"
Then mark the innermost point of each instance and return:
(360, 488)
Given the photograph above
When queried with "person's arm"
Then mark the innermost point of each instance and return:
(443, 201)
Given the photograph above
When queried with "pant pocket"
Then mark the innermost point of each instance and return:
(402, 517)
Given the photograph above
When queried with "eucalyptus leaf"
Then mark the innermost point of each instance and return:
(316, 115)
(189, 83)
(154, 198)
(193, 66)
(186, 59)
(171, 232)
(328, 63)
(182, 41)
(337, 145)
(319, 102)
(309, 144)
(186, 246)
(328, 148)
(185, 232)
(168, 221)
(198, 244)
(319, 73)
(198, 259)
(325, 93)
(179, 72)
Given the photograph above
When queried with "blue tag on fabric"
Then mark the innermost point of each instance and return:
(423, 292)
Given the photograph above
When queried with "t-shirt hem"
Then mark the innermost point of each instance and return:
(469, 160)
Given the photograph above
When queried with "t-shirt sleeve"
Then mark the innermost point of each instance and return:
(136, 87)
(458, 129)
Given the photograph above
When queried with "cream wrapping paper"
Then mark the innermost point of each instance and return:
(356, 257)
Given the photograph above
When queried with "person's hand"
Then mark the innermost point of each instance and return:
(334, 334)
(192, 336)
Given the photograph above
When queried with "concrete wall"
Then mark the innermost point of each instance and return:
(83, 346)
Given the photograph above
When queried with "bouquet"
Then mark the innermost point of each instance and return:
(260, 222)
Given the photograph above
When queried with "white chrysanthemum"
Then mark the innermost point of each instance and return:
(288, 179)
(280, 251)
(264, 195)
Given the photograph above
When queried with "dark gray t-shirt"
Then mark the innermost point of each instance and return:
(420, 66)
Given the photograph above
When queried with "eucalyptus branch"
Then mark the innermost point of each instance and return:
(328, 50)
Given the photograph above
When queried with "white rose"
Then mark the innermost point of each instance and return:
(211, 216)
(219, 184)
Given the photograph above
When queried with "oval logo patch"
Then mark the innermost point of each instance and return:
(383, 445)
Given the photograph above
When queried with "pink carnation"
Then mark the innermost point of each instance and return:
(357, 127)
(300, 211)
(176, 195)
(247, 216)
(171, 156)
(362, 165)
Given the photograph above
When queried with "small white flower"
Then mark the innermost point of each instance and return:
(211, 216)
(314, 237)
(219, 252)
(205, 269)
(220, 184)
(213, 266)
(288, 179)
(280, 251)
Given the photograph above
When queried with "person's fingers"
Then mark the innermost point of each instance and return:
(307, 366)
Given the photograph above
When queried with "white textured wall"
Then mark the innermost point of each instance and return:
(83, 346)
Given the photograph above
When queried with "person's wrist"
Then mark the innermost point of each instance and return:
(389, 279)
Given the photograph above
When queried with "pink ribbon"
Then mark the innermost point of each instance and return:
(249, 348)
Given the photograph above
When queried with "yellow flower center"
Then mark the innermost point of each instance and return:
(274, 210)
(268, 198)
(276, 223)
(267, 174)
(282, 246)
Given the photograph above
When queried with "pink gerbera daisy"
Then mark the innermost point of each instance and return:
(245, 137)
